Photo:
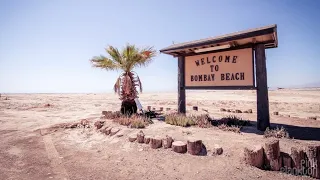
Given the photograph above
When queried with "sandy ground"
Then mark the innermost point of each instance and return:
(28, 151)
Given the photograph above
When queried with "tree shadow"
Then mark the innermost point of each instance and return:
(296, 132)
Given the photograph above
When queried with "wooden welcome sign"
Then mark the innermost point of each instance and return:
(234, 61)
(220, 69)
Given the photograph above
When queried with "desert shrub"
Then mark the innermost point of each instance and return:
(133, 121)
(179, 120)
(232, 128)
(203, 121)
(277, 133)
(230, 123)
(122, 120)
(112, 115)
(138, 123)
(234, 121)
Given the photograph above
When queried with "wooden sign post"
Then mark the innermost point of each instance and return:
(227, 63)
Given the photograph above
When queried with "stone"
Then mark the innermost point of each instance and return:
(238, 111)
(222, 110)
(114, 131)
(108, 130)
(132, 137)
(312, 118)
(249, 110)
(217, 150)
(99, 124)
(276, 113)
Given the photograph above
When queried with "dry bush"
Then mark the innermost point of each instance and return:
(277, 133)
(232, 128)
(233, 121)
(203, 121)
(179, 120)
(133, 121)
(230, 123)
(112, 115)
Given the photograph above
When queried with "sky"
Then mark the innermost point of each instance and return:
(46, 45)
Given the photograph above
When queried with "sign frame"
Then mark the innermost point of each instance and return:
(253, 87)
(259, 39)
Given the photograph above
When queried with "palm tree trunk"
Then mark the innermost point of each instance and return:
(128, 94)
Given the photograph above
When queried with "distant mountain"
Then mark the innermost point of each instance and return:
(310, 85)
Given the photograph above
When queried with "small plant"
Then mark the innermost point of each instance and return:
(277, 133)
(179, 120)
(138, 123)
(203, 121)
(112, 115)
(230, 123)
(232, 128)
(133, 121)
(234, 121)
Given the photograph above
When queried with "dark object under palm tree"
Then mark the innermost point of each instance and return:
(126, 60)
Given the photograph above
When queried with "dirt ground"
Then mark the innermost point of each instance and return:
(29, 151)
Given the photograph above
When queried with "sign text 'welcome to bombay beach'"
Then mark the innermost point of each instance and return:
(227, 68)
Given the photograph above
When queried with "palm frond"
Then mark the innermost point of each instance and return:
(117, 85)
(140, 84)
(115, 55)
(146, 56)
(103, 62)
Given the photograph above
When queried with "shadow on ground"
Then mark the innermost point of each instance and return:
(296, 132)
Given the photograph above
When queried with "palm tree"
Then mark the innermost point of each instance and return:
(126, 60)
